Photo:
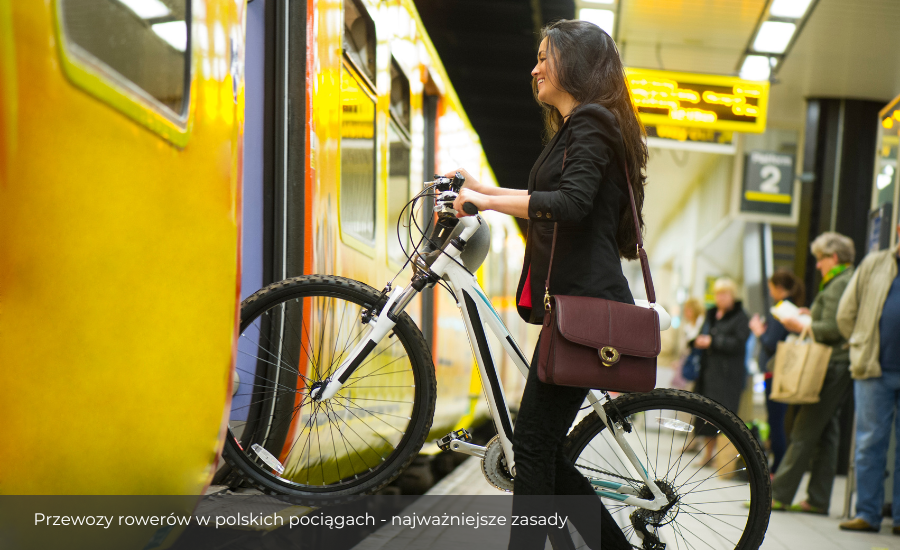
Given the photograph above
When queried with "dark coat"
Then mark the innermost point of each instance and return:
(723, 369)
(586, 200)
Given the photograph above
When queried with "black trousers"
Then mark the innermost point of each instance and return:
(544, 419)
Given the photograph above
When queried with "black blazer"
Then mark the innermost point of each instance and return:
(586, 200)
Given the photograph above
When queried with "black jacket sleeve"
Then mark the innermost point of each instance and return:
(593, 136)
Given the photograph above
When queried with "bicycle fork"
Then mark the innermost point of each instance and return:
(378, 328)
(397, 301)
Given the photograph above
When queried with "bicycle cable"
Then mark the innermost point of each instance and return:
(411, 205)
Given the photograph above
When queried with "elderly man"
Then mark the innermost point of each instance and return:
(869, 315)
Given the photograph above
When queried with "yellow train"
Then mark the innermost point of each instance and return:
(125, 149)
(362, 112)
(121, 130)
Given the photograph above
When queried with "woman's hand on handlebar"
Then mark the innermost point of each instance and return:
(470, 183)
(467, 195)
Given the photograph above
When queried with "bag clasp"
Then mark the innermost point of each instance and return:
(609, 356)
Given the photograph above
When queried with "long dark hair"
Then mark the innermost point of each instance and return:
(587, 66)
(791, 283)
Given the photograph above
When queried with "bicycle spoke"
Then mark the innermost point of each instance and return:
(284, 364)
(348, 440)
(692, 520)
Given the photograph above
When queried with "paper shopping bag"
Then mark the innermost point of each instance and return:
(800, 368)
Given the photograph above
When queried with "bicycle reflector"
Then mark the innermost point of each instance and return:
(268, 458)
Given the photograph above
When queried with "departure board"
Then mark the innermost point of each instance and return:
(724, 103)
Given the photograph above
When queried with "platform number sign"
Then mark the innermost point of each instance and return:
(768, 183)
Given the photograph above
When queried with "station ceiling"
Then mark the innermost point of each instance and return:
(489, 49)
(848, 48)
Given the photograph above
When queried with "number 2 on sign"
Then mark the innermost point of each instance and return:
(771, 175)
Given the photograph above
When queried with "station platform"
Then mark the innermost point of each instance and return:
(787, 530)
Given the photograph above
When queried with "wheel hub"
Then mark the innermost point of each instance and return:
(315, 391)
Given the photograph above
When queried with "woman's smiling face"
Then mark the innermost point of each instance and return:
(545, 77)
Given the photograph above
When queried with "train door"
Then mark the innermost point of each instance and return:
(258, 207)
(275, 177)
(429, 111)
(275, 185)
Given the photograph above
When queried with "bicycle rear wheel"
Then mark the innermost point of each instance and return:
(701, 456)
(294, 334)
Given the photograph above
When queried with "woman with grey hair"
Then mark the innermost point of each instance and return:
(814, 436)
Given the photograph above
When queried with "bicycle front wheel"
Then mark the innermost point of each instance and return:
(294, 334)
(702, 457)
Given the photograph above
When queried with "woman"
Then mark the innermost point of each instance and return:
(816, 430)
(578, 181)
(692, 316)
(692, 313)
(723, 370)
(787, 287)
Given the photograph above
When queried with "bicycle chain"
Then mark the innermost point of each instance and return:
(604, 472)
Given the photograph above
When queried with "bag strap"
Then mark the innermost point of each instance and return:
(642, 255)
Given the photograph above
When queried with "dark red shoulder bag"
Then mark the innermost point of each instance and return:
(598, 343)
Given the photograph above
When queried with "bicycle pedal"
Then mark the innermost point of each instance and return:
(462, 434)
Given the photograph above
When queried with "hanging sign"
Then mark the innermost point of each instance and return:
(768, 183)
(715, 102)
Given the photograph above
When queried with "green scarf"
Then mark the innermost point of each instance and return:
(832, 273)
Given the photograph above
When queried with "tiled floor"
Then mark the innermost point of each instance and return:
(787, 531)
(792, 531)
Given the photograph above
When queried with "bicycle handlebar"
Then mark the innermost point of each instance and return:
(470, 208)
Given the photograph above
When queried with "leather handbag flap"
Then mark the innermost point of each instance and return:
(596, 322)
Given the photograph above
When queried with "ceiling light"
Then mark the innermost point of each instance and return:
(756, 67)
(147, 9)
(793, 9)
(173, 32)
(602, 18)
(598, 1)
(774, 37)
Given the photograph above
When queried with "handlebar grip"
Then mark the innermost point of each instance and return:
(470, 208)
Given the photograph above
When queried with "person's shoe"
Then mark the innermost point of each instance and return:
(896, 529)
(808, 508)
(859, 524)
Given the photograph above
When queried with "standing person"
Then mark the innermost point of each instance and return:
(579, 181)
(692, 315)
(869, 316)
(783, 286)
(723, 369)
(816, 430)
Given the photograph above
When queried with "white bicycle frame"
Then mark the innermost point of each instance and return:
(477, 313)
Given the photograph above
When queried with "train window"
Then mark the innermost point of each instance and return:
(359, 38)
(397, 191)
(357, 195)
(399, 95)
(142, 46)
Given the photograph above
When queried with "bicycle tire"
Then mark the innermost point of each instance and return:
(695, 410)
(271, 408)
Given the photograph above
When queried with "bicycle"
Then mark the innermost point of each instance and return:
(337, 409)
